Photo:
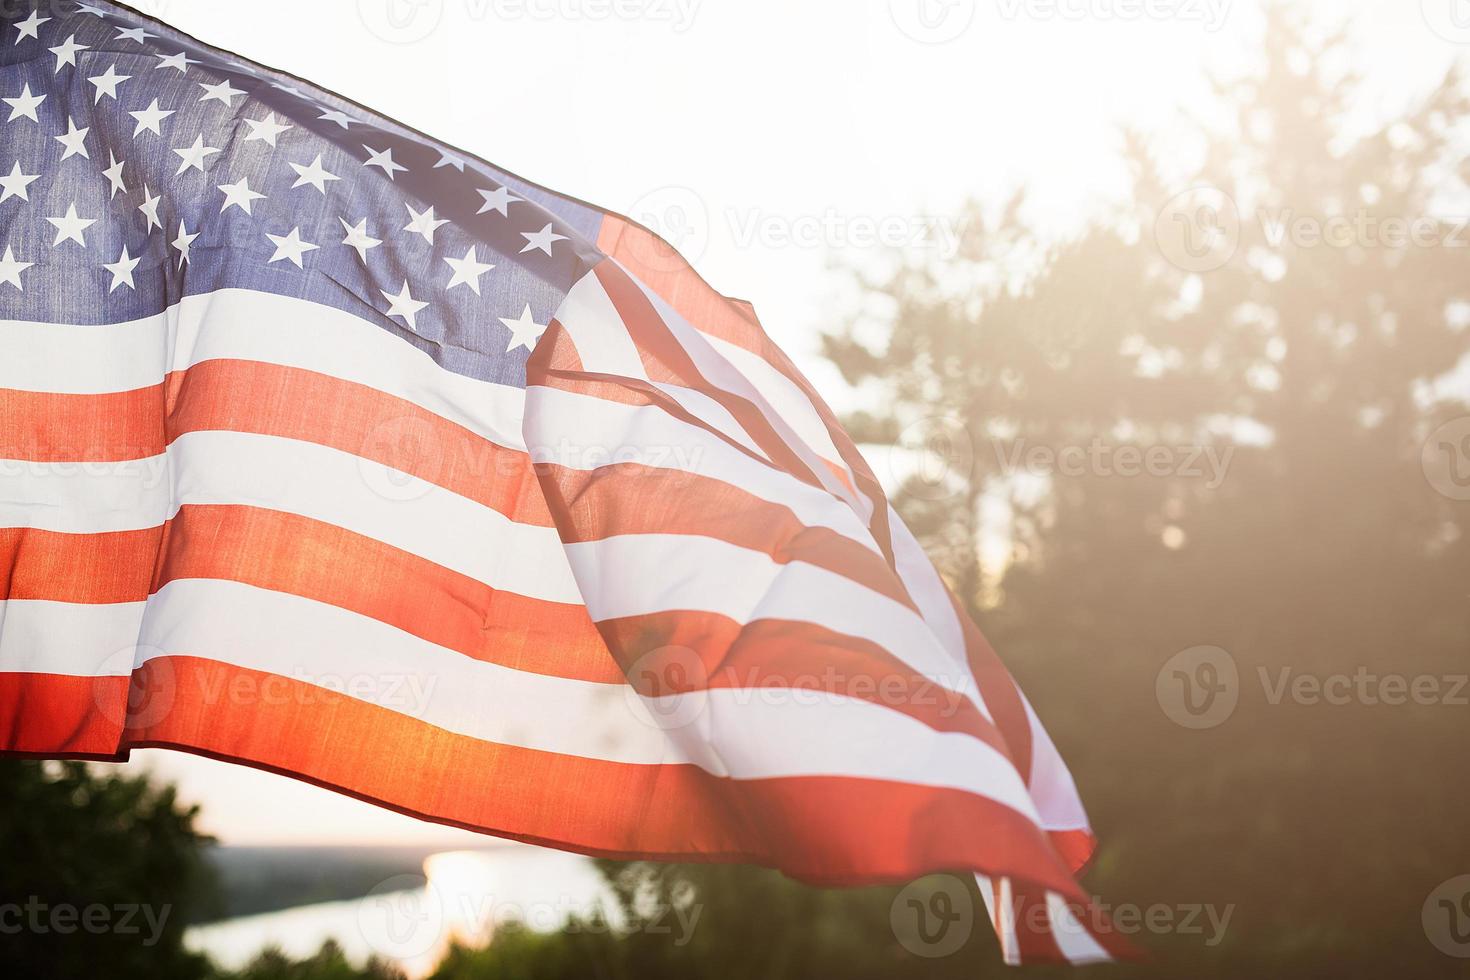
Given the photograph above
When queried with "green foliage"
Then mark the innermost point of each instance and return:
(328, 963)
(98, 876)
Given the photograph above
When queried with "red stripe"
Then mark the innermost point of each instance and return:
(270, 399)
(665, 356)
(115, 566)
(58, 714)
(826, 830)
(999, 689)
(625, 498)
(297, 555)
(661, 269)
(670, 652)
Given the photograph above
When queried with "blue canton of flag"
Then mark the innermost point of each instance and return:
(136, 169)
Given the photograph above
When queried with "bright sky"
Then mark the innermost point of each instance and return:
(764, 136)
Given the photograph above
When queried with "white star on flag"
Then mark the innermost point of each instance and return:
(28, 26)
(180, 61)
(107, 83)
(524, 331)
(404, 305)
(149, 207)
(114, 175)
(266, 129)
(424, 223)
(383, 159)
(134, 34)
(290, 247)
(15, 185)
(70, 227)
(73, 139)
(149, 118)
(10, 269)
(314, 174)
(340, 118)
(122, 270)
(239, 195)
(193, 156)
(24, 105)
(358, 237)
(467, 271)
(66, 52)
(220, 92)
(542, 239)
(499, 199)
(183, 242)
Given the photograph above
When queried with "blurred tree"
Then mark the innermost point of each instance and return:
(328, 963)
(1218, 320)
(98, 874)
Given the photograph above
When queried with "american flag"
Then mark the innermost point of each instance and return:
(329, 449)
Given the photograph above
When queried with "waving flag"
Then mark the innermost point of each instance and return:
(330, 450)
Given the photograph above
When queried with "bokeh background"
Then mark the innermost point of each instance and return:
(1154, 316)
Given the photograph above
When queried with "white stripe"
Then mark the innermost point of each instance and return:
(247, 325)
(925, 587)
(784, 396)
(721, 373)
(601, 338)
(318, 482)
(1072, 938)
(639, 574)
(583, 432)
(742, 734)
(81, 639)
